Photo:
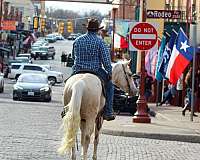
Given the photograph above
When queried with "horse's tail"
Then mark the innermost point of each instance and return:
(71, 120)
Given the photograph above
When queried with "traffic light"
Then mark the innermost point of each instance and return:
(42, 23)
(35, 23)
(70, 27)
(61, 27)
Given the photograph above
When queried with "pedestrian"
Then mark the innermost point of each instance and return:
(169, 94)
(148, 86)
(91, 54)
(188, 98)
(179, 88)
(63, 58)
(6, 71)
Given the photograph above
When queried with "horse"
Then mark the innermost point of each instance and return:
(84, 101)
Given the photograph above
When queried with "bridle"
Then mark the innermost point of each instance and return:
(126, 77)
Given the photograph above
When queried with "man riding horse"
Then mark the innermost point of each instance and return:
(90, 54)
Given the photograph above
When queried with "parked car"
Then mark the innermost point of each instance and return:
(35, 48)
(32, 86)
(24, 59)
(24, 55)
(35, 52)
(51, 38)
(59, 36)
(1, 82)
(19, 68)
(47, 51)
(10, 61)
(43, 52)
(72, 36)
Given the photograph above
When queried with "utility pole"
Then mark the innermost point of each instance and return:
(113, 38)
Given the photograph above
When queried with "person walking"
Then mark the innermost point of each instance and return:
(179, 88)
(188, 98)
(148, 86)
(90, 53)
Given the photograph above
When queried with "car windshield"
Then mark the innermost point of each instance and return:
(44, 49)
(33, 79)
(22, 59)
(35, 48)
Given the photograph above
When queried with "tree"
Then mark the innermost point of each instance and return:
(77, 19)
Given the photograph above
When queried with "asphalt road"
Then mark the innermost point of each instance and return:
(30, 130)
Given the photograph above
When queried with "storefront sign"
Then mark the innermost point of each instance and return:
(9, 25)
(171, 14)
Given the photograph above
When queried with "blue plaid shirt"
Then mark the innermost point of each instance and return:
(90, 53)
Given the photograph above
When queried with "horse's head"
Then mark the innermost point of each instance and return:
(122, 77)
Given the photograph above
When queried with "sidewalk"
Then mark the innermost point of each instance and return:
(169, 124)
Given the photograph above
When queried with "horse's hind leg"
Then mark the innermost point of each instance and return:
(73, 153)
(99, 122)
(86, 131)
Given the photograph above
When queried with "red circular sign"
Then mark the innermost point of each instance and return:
(143, 36)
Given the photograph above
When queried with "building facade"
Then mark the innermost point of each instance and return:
(21, 11)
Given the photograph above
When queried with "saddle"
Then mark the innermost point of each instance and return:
(91, 72)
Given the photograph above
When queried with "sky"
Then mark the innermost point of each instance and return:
(79, 7)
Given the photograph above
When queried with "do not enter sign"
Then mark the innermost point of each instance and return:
(143, 36)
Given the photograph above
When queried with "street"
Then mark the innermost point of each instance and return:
(30, 130)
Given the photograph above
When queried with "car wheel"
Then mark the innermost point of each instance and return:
(17, 76)
(48, 100)
(53, 57)
(15, 98)
(52, 80)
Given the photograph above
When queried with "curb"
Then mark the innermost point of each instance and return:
(169, 137)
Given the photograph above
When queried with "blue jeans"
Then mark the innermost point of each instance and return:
(109, 92)
(188, 99)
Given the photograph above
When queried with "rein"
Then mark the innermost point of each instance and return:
(129, 87)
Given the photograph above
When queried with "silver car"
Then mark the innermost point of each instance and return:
(1, 82)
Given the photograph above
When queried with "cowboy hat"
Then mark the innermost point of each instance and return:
(93, 24)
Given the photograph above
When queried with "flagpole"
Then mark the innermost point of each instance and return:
(193, 70)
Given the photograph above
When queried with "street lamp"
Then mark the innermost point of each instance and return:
(141, 116)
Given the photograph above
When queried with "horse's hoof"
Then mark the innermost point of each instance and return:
(94, 158)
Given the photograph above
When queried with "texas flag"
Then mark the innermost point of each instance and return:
(181, 56)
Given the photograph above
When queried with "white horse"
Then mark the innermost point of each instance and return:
(84, 101)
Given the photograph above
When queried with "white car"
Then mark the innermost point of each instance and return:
(1, 82)
(18, 68)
